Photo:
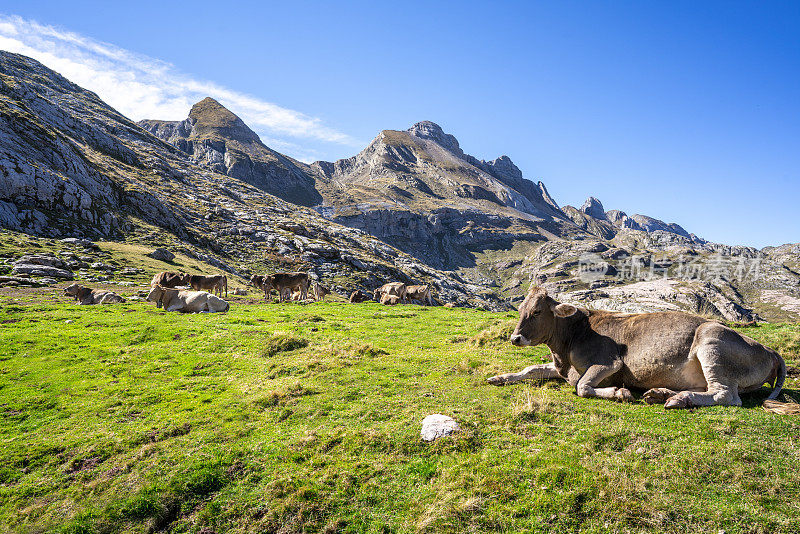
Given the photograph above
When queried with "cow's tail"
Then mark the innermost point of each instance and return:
(772, 405)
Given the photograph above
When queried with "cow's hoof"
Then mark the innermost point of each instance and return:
(678, 401)
(499, 380)
(657, 395)
(623, 395)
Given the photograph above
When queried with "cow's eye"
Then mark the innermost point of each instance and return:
(537, 312)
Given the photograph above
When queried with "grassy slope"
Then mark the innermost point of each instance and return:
(284, 417)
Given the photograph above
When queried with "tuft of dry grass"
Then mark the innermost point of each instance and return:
(495, 334)
(282, 343)
(531, 404)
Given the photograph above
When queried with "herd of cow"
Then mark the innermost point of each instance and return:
(681, 360)
(192, 293)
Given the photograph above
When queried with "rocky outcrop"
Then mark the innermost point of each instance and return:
(593, 218)
(162, 254)
(47, 265)
(699, 297)
(418, 190)
(443, 238)
(61, 152)
(594, 208)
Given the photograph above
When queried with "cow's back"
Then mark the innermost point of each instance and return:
(167, 279)
(393, 288)
(654, 346)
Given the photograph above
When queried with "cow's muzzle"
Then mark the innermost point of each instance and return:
(519, 340)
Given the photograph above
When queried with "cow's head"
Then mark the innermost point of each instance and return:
(268, 283)
(72, 290)
(537, 318)
(255, 280)
(377, 294)
(156, 295)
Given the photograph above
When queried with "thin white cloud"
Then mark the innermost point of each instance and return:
(142, 87)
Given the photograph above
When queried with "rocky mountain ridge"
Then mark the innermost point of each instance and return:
(410, 206)
(71, 166)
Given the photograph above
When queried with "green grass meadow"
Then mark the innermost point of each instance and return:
(290, 418)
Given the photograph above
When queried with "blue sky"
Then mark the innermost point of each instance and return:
(684, 111)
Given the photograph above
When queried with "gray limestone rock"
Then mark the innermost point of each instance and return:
(162, 254)
(42, 270)
(437, 425)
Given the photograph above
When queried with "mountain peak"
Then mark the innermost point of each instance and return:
(594, 208)
(432, 131)
(210, 118)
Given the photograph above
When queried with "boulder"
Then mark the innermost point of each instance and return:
(437, 425)
(17, 281)
(47, 259)
(162, 254)
(42, 270)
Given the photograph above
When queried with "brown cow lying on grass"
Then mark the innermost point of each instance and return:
(186, 301)
(390, 300)
(421, 293)
(357, 297)
(170, 279)
(215, 283)
(397, 289)
(87, 296)
(681, 359)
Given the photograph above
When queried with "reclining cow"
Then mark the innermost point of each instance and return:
(357, 297)
(397, 289)
(421, 293)
(186, 301)
(215, 284)
(170, 279)
(681, 359)
(86, 296)
(390, 300)
(296, 296)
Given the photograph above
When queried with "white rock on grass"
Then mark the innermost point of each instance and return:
(437, 426)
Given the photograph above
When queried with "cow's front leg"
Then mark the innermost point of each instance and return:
(534, 372)
(658, 395)
(587, 385)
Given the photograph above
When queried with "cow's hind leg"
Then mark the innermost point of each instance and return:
(594, 375)
(533, 372)
(721, 387)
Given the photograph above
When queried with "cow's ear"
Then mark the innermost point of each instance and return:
(564, 310)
